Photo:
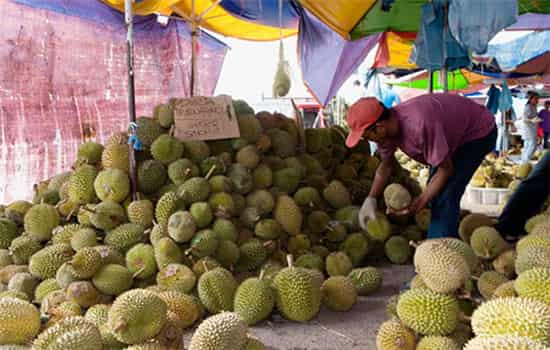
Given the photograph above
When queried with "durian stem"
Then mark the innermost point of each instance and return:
(289, 260)
(262, 273)
(464, 318)
(413, 244)
(210, 172)
(89, 210)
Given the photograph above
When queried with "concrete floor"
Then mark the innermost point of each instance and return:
(352, 330)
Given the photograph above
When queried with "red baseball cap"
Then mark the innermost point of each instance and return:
(361, 115)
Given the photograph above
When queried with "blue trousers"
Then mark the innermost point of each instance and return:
(527, 200)
(445, 207)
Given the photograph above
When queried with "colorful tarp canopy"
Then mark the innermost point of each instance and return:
(248, 20)
(458, 80)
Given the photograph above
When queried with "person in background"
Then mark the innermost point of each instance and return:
(502, 133)
(450, 133)
(544, 115)
(526, 201)
(390, 98)
(529, 128)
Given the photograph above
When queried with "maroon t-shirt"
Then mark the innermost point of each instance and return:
(433, 126)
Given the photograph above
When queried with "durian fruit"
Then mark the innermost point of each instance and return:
(109, 255)
(168, 204)
(441, 268)
(5, 258)
(44, 288)
(379, 229)
(137, 316)
(22, 248)
(310, 261)
(427, 312)
(151, 176)
(197, 150)
(81, 185)
(437, 343)
(367, 280)
(252, 254)
(471, 222)
(356, 246)
(141, 212)
(253, 344)
(338, 293)
(397, 197)
(140, 261)
(125, 236)
(112, 184)
(531, 257)
(464, 250)
(487, 242)
(167, 252)
(308, 197)
(23, 282)
(506, 289)
(116, 156)
(85, 263)
(535, 284)
(533, 240)
(181, 170)
(148, 131)
(520, 317)
(83, 238)
(505, 263)
(216, 289)
(164, 114)
(286, 180)
(337, 195)
(254, 300)
(394, 335)
(89, 153)
(397, 250)
(268, 229)
(288, 214)
(227, 253)
(338, 264)
(8, 231)
(44, 263)
(262, 200)
(202, 214)
(106, 215)
(70, 333)
(181, 226)
(112, 279)
(488, 282)
(185, 309)
(40, 220)
(225, 331)
(504, 342)
(83, 293)
(19, 321)
(166, 149)
(16, 211)
(248, 156)
(535, 221)
(176, 277)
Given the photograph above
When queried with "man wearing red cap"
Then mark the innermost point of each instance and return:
(450, 133)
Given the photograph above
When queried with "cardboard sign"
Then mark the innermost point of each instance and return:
(204, 118)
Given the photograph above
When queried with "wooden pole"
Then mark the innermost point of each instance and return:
(194, 34)
(129, 19)
(430, 81)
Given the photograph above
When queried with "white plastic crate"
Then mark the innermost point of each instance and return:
(486, 196)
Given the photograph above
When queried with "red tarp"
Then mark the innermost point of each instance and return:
(63, 74)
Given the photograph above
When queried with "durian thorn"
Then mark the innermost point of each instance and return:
(290, 260)
(210, 172)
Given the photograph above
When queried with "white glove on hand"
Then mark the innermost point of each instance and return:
(367, 212)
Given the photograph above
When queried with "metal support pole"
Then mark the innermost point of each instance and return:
(443, 72)
(194, 34)
(129, 19)
(430, 81)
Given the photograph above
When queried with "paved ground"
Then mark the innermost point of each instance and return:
(352, 330)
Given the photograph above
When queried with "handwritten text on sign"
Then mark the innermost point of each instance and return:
(204, 118)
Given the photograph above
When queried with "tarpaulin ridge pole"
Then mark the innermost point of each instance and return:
(129, 20)
(430, 81)
(194, 34)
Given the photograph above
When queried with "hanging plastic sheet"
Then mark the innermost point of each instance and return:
(509, 55)
(493, 96)
(474, 23)
(326, 59)
(63, 79)
(430, 52)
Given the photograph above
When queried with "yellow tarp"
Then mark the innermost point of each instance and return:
(340, 15)
(400, 50)
(217, 19)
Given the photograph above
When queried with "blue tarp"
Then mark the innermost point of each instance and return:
(263, 11)
(509, 55)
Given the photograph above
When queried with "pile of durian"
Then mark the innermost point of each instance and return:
(237, 229)
(500, 173)
(475, 293)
